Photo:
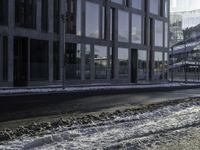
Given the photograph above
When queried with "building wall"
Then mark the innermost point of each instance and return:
(42, 23)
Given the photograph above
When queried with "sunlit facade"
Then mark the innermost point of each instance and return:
(106, 41)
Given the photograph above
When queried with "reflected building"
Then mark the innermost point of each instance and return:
(106, 41)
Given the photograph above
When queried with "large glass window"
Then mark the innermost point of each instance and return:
(154, 7)
(158, 33)
(142, 65)
(88, 59)
(73, 24)
(25, 13)
(39, 60)
(136, 29)
(123, 63)
(123, 26)
(4, 12)
(92, 19)
(73, 61)
(137, 4)
(101, 62)
(158, 67)
(166, 35)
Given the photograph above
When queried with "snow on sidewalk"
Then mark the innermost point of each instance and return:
(91, 87)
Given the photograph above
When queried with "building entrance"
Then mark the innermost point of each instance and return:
(20, 61)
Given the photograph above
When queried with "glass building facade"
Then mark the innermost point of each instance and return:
(99, 41)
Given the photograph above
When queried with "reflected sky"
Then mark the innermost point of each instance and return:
(184, 5)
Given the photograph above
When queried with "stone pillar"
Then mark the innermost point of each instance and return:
(11, 25)
(51, 60)
(61, 43)
(50, 15)
(1, 58)
(51, 41)
(38, 15)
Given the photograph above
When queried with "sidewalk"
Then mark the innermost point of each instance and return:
(96, 88)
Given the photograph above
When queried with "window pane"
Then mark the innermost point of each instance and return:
(73, 61)
(101, 62)
(117, 1)
(25, 13)
(154, 7)
(136, 29)
(137, 4)
(158, 68)
(92, 20)
(73, 23)
(87, 61)
(39, 60)
(158, 33)
(4, 12)
(123, 26)
(166, 34)
(123, 63)
(142, 64)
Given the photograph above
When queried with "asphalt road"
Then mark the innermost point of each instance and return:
(33, 106)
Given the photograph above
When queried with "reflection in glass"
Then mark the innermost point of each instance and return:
(73, 24)
(137, 4)
(101, 62)
(158, 33)
(136, 29)
(92, 19)
(123, 26)
(117, 1)
(142, 64)
(154, 7)
(72, 61)
(123, 63)
(158, 68)
(166, 34)
(87, 61)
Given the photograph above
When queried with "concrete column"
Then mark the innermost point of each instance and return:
(115, 39)
(92, 63)
(1, 58)
(82, 61)
(51, 60)
(10, 58)
(11, 25)
(38, 15)
(50, 15)
(51, 41)
(29, 60)
(61, 43)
